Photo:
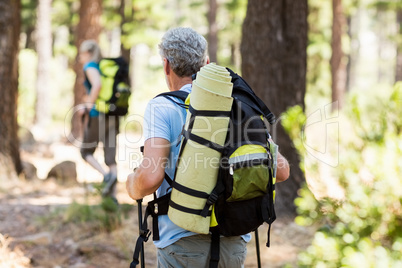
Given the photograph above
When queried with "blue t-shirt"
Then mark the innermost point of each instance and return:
(165, 119)
(88, 86)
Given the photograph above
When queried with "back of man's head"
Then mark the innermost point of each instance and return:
(185, 49)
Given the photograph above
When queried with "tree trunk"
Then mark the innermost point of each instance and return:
(10, 23)
(338, 66)
(274, 63)
(212, 31)
(88, 28)
(398, 71)
(30, 23)
(43, 103)
(29, 43)
(353, 25)
(127, 14)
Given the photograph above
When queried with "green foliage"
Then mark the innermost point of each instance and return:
(62, 82)
(26, 83)
(64, 12)
(145, 20)
(105, 217)
(318, 52)
(364, 228)
(79, 213)
(386, 4)
(230, 19)
(293, 121)
(65, 17)
(28, 17)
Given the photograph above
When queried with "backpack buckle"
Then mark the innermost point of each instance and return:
(213, 197)
(145, 234)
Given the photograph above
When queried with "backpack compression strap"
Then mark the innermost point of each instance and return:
(268, 209)
(182, 95)
(215, 249)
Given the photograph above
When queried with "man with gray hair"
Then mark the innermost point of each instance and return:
(183, 52)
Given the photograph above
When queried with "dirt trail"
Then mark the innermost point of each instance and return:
(35, 230)
(34, 224)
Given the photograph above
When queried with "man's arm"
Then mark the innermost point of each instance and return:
(150, 174)
(94, 78)
(283, 170)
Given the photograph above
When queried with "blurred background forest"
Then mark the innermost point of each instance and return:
(329, 70)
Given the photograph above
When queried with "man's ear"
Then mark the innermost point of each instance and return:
(166, 66)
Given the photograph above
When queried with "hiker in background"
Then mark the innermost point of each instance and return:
(98, 127)
(183, 52)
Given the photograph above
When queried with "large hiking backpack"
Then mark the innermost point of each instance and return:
(243, 197)
(114, 95)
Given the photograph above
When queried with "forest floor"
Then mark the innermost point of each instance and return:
(47, 224)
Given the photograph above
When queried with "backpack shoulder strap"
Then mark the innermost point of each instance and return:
(182, 95)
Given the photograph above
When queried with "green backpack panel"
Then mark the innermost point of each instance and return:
(115, 92)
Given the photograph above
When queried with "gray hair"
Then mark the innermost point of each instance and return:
(185, 49)
(92, 47)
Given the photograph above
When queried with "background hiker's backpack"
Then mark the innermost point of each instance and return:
(115, 92)
(244, 194)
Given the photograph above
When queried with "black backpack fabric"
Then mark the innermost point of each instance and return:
(115, 92)
(248, 210)
(235, 212)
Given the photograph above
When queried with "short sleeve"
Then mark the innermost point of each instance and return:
(91, 64)
(163, 119)
(156, 120)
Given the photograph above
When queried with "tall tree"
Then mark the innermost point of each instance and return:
(28, 21)
(231, 14)
(44, 50)
(273, 52)
(338, 65)
(212, 31)
(88, 28)
(394, 6)
(10, 24)
(126, 12)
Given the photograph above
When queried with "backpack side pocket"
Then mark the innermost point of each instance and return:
(248, 173)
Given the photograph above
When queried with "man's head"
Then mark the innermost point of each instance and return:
(185, 50)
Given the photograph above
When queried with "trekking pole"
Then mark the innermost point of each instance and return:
(142, 257)
(257, 248)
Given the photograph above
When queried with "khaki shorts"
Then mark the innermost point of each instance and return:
(194, 252)
(101, 129)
